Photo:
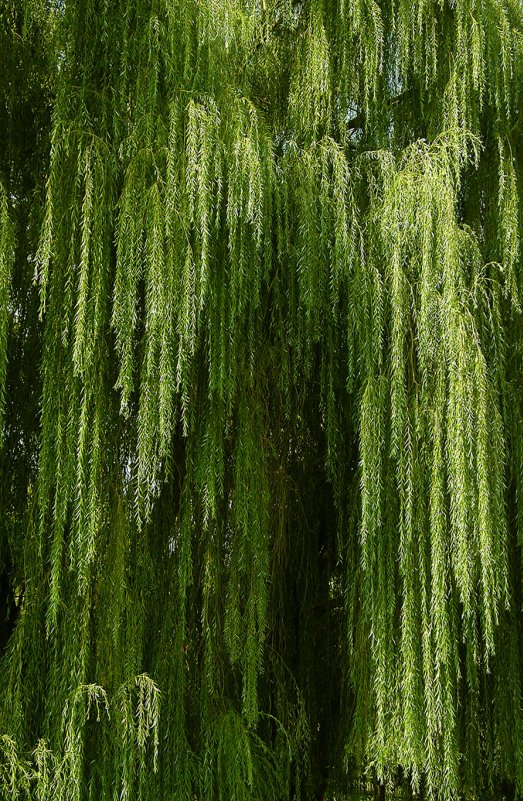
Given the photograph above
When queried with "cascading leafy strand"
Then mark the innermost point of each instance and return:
(262, 530)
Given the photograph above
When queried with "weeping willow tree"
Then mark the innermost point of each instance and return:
(261, 398)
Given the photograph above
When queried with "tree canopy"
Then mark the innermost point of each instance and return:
(261, 398)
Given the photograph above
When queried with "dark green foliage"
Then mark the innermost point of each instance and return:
(260, 398)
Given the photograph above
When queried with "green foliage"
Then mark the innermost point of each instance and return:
(6, 265)
(260, 398)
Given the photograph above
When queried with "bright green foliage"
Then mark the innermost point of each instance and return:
(262, 502)
(6, 262)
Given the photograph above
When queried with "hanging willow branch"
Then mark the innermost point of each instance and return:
(6, 265)
(272, 537)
